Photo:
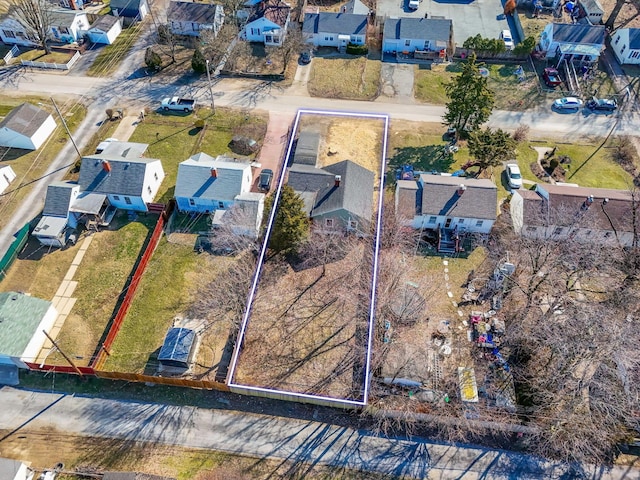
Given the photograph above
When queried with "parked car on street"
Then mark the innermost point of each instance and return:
(602, 105)
(265, 180)
(567, 103)
(305, 57)
(507, 39)
(513, 175)
(551, 77)
(177, 103)
(414, 4)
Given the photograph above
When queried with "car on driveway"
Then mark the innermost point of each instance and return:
(602, 105)
(551, 77)
(513, 175)
(567, 103)
(266, 176)
(507, 39)
(305, 57)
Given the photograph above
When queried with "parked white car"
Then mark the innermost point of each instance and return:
(514, 176)
(567, 103)
(414, 4)
(507, 39)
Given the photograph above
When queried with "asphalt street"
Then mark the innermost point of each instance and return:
(305, 443)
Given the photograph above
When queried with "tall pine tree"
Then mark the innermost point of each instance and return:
(291, 226)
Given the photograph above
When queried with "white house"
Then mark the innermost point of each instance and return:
(334, 29)
(443, 201)
(575, 41)
(267, 22)
(244, 217)
(24, 318)
(15, 470)
(68, 25)
(593, 11)
(26, 127)
(53, 228)
(411, 34)
(189, 18)
(558, 212)
(12, 32)
(206, 184)
(128, 180)
(625, 44)
(105, 29)
(7, 175)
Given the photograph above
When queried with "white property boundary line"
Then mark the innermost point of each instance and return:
(263, 251)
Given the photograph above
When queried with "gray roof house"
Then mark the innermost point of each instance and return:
(190, 18)
(26, 127)
(338, 196)
(442, 202)
(569, 39)
(407, 35)
(307, 148)
(51, 229)
(328, 29)
(133, 10)
(14, 469)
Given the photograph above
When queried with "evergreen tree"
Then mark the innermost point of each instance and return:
(198, 62)
(491, 147)
(291, 225)
(470, 100)
(152, 59)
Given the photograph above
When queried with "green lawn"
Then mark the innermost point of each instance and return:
(347, 78)
(108, 60)
(173, 138)
(38, 55)
(593, 167)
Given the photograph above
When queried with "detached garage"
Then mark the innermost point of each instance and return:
(26, 127)
(178, 348)
(105, 30)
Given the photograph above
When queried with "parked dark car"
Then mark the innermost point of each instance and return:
(305, 57)
(265, 180)
(551, 77)
(602, 105)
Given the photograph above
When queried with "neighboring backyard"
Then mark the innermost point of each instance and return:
(348, 78)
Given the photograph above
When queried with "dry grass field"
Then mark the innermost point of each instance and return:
(349, 78)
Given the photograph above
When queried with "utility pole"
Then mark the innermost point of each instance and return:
(64, 123)
(63, 354)
(213, 107)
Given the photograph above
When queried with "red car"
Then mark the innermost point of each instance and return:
(551, 77)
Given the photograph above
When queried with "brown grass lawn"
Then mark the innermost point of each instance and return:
(349, 78)
(337, 136)
(38, 55)
(302, 331)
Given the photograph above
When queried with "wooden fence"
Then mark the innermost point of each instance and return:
(177, 382)
(54, 66)
(101, 357)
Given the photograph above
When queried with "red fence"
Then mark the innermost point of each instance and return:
(60, 368)
(101, 357)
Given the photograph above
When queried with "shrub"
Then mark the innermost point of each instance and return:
(522, 133)
(481, 44)
(199, 123)
(525, 47)
(152, 59)
(354, 49)
(198, 62)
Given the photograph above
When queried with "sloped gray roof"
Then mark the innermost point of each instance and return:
(440, 197)
(25, 119)
(307, 148)
(58, 199)
(21, 315)
(104, 22)
(326, 22)
(357, 7)
(50, 226)
(125, 178)
(88, 202)
(63, 17)
(578, 33)
(592, 5)
(432, 29)
(407, 198)
(9, 467)
(126, 4)
(634, 38)
(202, 13)
(275, 11)
(195, 179)
(355, 193)
(124, 150)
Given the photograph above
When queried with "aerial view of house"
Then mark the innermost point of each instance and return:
(189, 18)
(267, 22)
(27, 127)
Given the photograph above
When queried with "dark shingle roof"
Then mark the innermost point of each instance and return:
(125, 178)
(105, 22)
(432, 29)
(634, 38)
(25, 119)
(202, 13)
(275, 11)
(440, 197)
(58, 199)
(578, 33)
(307, 148)
(344, 23)
(407, 199)
(195, 179)
(126, 4)
(355, 193)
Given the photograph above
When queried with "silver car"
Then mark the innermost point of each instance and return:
(567, 103)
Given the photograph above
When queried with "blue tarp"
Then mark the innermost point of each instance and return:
(177, 347)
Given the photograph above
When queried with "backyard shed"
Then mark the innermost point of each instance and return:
(178, 348)
(105, 29)
(307, 148)
(7, 175)
(26, 127)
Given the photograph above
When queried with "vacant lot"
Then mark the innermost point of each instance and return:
(348, 78)
(31, 165)
(173, 137)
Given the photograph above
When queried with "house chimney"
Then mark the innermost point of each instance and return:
(214, 172)
(337, 180)
(587, 203)
(461, 189)
(605, 201)
(106, 166)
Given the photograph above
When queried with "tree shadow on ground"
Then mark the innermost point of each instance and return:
(426, 158)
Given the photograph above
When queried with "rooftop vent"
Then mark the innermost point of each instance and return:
(461, 189)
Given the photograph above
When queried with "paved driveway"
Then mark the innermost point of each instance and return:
(470, 18)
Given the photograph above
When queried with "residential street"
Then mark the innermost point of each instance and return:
(271, 437)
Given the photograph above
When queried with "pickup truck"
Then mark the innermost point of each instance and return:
(177, 103)
(551, 77)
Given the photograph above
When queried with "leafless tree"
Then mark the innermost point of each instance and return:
(168, 42)
(36, 16)
(215, 47)
(292, 46)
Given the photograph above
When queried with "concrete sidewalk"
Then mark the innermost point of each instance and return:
(301, 442)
